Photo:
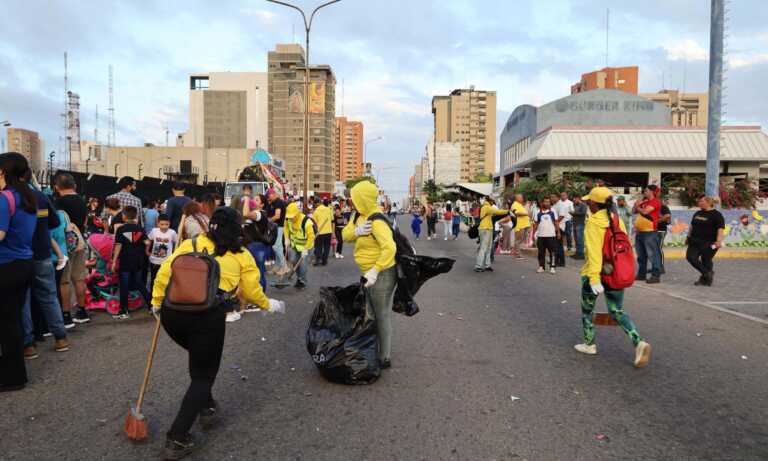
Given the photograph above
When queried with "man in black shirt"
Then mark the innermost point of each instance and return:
(175, 205)
(276, 213)
(665, 217)
(704, 239)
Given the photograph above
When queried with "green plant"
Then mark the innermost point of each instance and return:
(742, 193)
(483, 178)
(571, 181)
(432, 190)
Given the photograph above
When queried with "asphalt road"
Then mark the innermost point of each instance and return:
(479, 340)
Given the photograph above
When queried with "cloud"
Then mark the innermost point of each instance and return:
(266, 17)
(686, 50)
(735, 63)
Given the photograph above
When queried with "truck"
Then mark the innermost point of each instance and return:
(260, 176)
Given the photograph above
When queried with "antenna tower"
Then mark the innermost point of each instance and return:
(607, 31)
(96, 126)
(64, 147)
(111, 123)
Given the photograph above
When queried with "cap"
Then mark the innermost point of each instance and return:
(620, 197)
(291, 210)
(598, 194)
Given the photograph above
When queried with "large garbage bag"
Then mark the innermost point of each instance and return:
(341, 337)
(412, 272)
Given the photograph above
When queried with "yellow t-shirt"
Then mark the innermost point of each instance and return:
(523, 220)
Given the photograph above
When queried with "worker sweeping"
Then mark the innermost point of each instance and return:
(300, 240)
(199, 326)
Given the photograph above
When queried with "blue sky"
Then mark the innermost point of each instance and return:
(393, 56)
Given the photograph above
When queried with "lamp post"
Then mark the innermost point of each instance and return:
(307, 69)
(51, 156)
(365, 147)
(4, 123)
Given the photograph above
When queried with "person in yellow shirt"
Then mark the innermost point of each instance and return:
(375, 256)
(300, 240)
(202, 333)
(600, 203)
(324, 219)
(523, 226)
(487, 212)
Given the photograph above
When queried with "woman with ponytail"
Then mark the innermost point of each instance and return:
(18, 216)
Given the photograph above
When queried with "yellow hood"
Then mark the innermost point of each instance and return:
(364, 195)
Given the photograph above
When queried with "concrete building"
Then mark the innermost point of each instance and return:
(347, 149)
(688, 110)
(609, 78)
(446, 163)
(468, 117)
(286, 117)
(28, 144)
(227, 109)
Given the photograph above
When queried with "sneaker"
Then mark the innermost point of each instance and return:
(341, 256)
(489, 269)
(207, 417)
(479, 269)
(446, 239)
(540, 270)
(176, 449)
(233, 316)
(62, 345)
(300, 285)
(252, 308)
(61, 263)
(653, 280)
(640, 278)
(589, 349)
(81, 316)
(642, 354)
(384, 364)
(30, 352)
(552, 270)
(519, 256)
(121, 315)
(47, 335)
(68, 323)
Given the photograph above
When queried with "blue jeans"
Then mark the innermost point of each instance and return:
(278, 249)
(578, 237)
(43, 292)
(301, 271)
(647, 247)
(569, 234)
(260, 253)
(132, 281)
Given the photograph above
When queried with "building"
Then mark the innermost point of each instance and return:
(417, 181)
(687, 110)
(443, 162)
(286, 117)
(347, 149)
(28, 144)
(468, 117)
(592, 108)
(608, 78)
(227, 109)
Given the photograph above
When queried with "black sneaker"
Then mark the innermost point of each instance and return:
(207, 417)
(300, 285)
(653, 279)
(384, 364)
(68, 323)
(479, 269)
(489, 269)
(640, 278)
(178, 448)
(81, 316)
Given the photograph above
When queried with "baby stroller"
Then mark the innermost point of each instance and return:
(103, 289)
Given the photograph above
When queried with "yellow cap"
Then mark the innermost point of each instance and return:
(598, 195)
(291, 210)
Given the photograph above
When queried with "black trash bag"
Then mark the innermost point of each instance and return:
(341, 337)
(412, 272)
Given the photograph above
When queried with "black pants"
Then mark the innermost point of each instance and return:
(560, 251)
(15, 278)
(153, 268)
(545, 244)
(322, 248)
(431, 222)
(339, 241)
(700, 255)
(202, 335)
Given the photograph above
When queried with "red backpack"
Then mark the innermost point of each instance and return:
(618, 258)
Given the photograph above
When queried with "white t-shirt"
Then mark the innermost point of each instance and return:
(163, 244)
(546, 223)
(564, 209)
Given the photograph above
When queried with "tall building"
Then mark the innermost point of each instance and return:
(347, 149)
(443, 162)
(687, 110)
(286, 117)
(227, 109)
(608, 78)
(27, 143)
(417, 180)
(468, 117)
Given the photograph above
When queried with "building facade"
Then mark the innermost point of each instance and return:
(608, 78)
(348, 149)
(468, 117)
(28, 144)
(447, 163)
(688, 110)
(285, 132)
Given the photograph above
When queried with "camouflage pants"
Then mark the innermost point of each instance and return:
(614, 299)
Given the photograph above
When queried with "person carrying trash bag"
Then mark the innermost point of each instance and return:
(597, 268)
(300, 239)
(201, 332)
(375, 256)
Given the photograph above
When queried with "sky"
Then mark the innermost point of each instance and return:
(392, 56)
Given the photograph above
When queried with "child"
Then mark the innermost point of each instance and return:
(164, 241)
(547, 233)
(131, 246)
(416, 224)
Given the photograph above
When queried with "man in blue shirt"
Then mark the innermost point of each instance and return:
(175, 205)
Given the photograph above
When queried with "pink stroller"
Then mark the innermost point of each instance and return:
(103, 289)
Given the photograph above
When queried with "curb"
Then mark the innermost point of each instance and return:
(678, 253)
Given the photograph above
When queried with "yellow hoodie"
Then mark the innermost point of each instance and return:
(486, 216)
(237, 270)
(378, 248)
(324, 219)
(594, 237)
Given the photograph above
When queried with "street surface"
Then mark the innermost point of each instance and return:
(486, 371)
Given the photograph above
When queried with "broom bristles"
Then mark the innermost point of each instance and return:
(135, 426)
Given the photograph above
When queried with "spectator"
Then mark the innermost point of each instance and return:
(18, 217)
(163, 241)
(150, 216)
(208, 204)
(128, 185)
(416, 223)
(447, 221)
(194, 222)
(74, 205)
(665, 217)
(339, 221)
(324, 220)
(547, 233)
(131, 248)
(564, 209)
(276, 212)
(485, 228)
(258, 249)
(175, 205)
(560, 253)
(114, 217)
(522, 229)
(647, 238)
(579, 219)
(705, 238)
(430, 212)
(624, 212)
(93, 223)
(456, 221)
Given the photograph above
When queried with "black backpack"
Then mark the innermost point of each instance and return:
(404, 247)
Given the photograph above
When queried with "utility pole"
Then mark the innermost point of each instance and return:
(714, 112)
(111, 129)
(96, 127)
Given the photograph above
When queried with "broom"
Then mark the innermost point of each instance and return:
(285, 280)
(135, 424)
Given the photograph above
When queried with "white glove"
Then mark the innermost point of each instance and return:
(364, 229)
(156, 312)
(61, 263)
(370, 277)
(597, 289)
(305, 253)
(276, 306)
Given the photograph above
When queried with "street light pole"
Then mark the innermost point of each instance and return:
(4, 124)
(714, 111)
(307, 69)
(365, 149)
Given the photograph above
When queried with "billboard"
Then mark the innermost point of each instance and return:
(317, 97)
(295, 98)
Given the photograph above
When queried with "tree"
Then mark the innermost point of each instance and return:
(432, 190)
(350, 183)
(482, 178)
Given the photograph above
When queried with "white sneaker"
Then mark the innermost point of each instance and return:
(589, 349)
(539, 270)
(341, 256)
(552, 270)
(446, 239)
(642, 354)
(233, 316)
(61, 263)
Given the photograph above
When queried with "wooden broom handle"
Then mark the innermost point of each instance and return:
(150, 358)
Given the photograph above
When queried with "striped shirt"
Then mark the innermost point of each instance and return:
(128, 199)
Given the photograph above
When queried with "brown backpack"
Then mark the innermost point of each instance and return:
(194, 282)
